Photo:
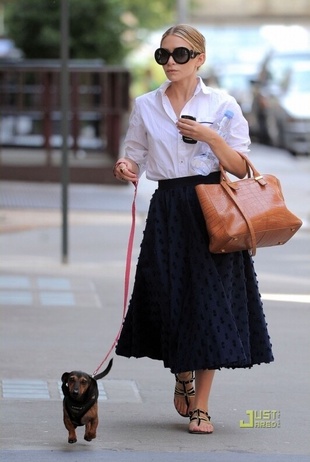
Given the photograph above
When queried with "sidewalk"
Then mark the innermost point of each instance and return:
(56, 318)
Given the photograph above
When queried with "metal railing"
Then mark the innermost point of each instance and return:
(30, 106)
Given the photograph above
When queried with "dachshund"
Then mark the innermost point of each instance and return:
(80, 403)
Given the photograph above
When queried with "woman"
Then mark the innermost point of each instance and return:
(195, 311)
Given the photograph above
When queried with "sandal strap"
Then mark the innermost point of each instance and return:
(189, 393)
(199, 415)
(185, 382)
(183, 391)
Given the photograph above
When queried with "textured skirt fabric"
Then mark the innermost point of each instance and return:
(190, 308)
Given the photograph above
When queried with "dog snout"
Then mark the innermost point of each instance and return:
(75, 390)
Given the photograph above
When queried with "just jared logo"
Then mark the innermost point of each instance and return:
(261, 419)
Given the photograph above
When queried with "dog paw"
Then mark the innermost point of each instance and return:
(89, 437)
(72, 440)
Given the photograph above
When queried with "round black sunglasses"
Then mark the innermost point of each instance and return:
(181, 55)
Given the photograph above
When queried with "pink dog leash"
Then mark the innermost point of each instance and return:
(127, 276)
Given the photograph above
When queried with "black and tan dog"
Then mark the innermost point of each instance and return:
(80, 403)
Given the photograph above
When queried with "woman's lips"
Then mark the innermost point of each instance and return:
(171, 71)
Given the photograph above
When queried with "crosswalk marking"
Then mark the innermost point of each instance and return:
(111, 390)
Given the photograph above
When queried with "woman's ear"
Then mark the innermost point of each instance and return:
(201, 60)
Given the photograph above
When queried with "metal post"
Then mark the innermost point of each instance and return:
(64, 26)
(182, 8)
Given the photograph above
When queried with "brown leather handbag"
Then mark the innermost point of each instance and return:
(246, 214)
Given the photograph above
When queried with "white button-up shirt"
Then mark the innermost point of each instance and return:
(155, 144)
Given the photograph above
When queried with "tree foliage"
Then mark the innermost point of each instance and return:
(105, 29)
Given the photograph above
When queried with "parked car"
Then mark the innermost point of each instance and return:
(271, 82)
(288, 110)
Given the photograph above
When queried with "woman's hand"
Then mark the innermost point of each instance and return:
(228, 157)
(126, 170)
(192, 129)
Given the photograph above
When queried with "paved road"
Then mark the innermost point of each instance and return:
(56, 318)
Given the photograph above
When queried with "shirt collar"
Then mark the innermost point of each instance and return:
(200, 87)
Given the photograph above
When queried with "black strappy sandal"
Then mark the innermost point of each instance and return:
(200, 416)
(186, 393)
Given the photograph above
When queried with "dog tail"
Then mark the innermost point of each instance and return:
(105, 372)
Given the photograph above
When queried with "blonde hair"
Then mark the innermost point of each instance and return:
(188, 33)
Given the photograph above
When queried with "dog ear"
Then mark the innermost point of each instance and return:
(93, 387)
(64, 386)
(93, 383)
(64, 377)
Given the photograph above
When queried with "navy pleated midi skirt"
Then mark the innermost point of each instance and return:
(189, 308)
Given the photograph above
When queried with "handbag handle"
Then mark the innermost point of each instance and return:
(252, 172)
(231, 186)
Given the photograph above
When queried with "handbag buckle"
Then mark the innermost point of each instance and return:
(260, 179)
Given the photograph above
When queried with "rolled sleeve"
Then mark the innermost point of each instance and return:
(136, 144)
